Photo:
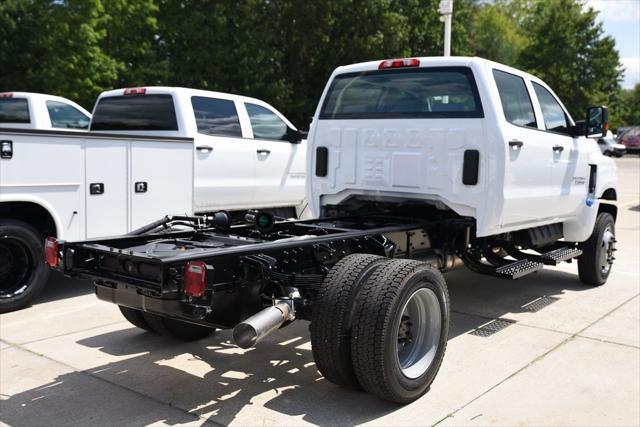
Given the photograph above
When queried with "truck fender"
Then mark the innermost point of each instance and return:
(19, 198)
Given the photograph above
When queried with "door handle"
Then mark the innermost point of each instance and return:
(558, 148)
(6, 149)
(204, 148)
(514, 143)
(263, 151)
(96, 188)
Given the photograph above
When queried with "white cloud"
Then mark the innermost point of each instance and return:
(616, 10)
(632, 71)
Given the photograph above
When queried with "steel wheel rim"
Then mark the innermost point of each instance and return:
(419, 331)
(606, 251)
(16, 265)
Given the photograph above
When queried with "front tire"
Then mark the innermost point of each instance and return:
(23, 272)
(400, 330)
(596, 261)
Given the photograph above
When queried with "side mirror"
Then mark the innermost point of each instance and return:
(295, 136)
(597, 123)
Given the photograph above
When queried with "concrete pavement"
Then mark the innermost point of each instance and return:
(564, 354)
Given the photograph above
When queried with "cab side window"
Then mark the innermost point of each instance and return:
(66, 117)
(515, 99)
(216, 116)
(266, 124)
(554, 116)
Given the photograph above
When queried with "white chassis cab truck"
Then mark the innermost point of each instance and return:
(149, 150)
(415, 165)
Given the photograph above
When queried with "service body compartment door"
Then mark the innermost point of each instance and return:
(106, 187)
(161, 180)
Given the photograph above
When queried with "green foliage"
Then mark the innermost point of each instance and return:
(567, 49)
(54, 47)
(283, 51)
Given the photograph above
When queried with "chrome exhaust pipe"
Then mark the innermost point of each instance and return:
(248, 333)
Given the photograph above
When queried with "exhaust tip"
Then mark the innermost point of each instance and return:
(245, 335)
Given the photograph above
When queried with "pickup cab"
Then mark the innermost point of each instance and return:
(148, 150)
(416, 166)
(27, 110)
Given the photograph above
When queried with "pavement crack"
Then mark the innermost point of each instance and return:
(120, 386)
(537, 359)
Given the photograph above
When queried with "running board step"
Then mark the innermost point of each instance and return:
(557, 256)
(518, 269)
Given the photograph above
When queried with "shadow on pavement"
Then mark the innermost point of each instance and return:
(60, 287)
(216, 380)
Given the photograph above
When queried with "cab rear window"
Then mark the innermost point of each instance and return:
(135, 112)
(14, 110)
(437, 92)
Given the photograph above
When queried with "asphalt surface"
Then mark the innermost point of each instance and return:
(563, 354)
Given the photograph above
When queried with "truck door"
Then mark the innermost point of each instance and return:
(161, 179)
(528, 191)
(224, 161)
(106, 187)
(569, 184)
(279, 173)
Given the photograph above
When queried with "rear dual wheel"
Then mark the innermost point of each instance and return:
(398, 317)
(183, 331)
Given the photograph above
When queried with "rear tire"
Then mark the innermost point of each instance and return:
(183, 331)
(135, 317)
(332, 317)
(596, 261)
(400, 330)
(23, 272)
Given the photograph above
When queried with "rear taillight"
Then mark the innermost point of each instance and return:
(135, 91)
(6, 95)
(51, 251)
(399, 63)
(194, 278)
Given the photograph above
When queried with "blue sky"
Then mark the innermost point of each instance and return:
(621, 19)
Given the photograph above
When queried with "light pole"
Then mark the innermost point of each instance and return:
(446, 9)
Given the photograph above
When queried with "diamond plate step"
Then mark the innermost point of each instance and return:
(557, 256)
(518, 269)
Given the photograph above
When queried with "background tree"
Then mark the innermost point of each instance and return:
(54, 47)
(568, 50)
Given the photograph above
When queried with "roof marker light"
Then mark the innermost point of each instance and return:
(6, 95)
(399, 63)
(135, 91)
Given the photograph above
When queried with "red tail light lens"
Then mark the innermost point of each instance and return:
(6, 95)
(399, 63)
(51, 251)
(194, 278)
(135, 91)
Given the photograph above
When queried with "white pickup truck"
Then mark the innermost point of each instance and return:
(416, 166)
(28, 110)
(149, 150)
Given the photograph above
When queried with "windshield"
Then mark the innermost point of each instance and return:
(438, 92)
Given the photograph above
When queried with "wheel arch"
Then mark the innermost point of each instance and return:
(609, 208)
(35, 213)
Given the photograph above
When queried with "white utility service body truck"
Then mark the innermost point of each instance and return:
(415, 166)
(28, 110)
(149, 150)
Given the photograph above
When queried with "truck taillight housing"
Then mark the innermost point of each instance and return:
(51, 251)
(195, 274)
(399, 63)
(135, 91)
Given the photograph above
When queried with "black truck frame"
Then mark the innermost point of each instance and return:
(370, 284)
(247, 266)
